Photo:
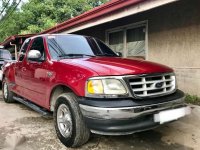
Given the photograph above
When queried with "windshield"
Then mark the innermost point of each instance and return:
(76, 46)
(5, 54)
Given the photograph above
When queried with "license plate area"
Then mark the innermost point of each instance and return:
(172, 114)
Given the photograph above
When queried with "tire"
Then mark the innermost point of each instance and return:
(7, 94)
(71, 129)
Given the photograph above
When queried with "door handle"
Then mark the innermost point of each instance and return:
(23, 68)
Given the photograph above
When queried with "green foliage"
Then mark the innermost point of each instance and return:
(38, 15)
(192, 99)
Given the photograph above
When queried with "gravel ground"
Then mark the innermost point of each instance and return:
(23, 129)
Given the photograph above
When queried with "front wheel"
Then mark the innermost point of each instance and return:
(7, 94)
(69, 123)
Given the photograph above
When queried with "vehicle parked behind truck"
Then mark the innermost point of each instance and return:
(5, 56)
(89, 88)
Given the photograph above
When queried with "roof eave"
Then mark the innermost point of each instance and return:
(14, 37)
(91, 14)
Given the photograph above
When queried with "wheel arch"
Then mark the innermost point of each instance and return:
(9, 73)
(55, 92)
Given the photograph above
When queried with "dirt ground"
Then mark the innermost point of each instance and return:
(23, 129)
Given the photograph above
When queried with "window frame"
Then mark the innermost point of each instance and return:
(124, 29)
(31, 44)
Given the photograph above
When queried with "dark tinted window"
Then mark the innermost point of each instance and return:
(101, 48)
(38, 44)
(25, 45)
(24, 48)
(73, 44)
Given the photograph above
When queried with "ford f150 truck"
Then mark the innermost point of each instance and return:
(89, 88)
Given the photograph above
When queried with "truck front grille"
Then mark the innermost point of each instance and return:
(156, 85)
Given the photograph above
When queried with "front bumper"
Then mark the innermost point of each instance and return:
(127, 120)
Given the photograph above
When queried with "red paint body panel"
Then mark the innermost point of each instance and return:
(106, 66)
(36, 80)
(69, 74)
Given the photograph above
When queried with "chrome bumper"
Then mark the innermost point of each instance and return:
(129, 112)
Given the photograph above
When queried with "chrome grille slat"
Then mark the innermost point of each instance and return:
(150, 82)
(146, 89)
(153, 85)
(141, 95)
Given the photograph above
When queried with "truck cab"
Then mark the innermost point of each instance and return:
(90, 88)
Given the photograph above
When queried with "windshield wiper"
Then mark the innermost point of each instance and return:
(75, 55)
(106, 54)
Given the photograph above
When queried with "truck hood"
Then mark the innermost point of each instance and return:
(119, 66)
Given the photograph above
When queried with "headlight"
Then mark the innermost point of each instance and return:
(113, 86)
(95, 87)
(174, 82)
(105, 87)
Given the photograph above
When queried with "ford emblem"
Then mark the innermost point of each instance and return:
(159, 85)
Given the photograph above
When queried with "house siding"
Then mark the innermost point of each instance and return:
(173, 39)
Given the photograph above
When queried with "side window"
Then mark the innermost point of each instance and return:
(38, 44)
(54, 49)
(24, 49)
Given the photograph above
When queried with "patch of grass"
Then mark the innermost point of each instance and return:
(192, 99)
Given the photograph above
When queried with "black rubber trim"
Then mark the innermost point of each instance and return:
(42, 111)
(129, 102)
(121, 126)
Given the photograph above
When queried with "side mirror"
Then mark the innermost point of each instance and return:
(34, 55)
(119, 54)
(21, 56)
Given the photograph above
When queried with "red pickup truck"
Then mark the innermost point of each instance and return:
(89, 88)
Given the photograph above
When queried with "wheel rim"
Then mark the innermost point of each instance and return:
(64, 121)
(5, 90)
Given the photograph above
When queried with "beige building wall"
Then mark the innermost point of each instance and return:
(173, 39)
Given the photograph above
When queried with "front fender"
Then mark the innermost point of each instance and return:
(70, 75)
(9, 73)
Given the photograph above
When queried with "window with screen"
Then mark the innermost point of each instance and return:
(116, 41)
(136, 42)
(130, 41)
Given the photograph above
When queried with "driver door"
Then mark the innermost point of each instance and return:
(35, 73)
(20, 79)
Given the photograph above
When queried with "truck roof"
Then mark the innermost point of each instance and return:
(58, 34)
